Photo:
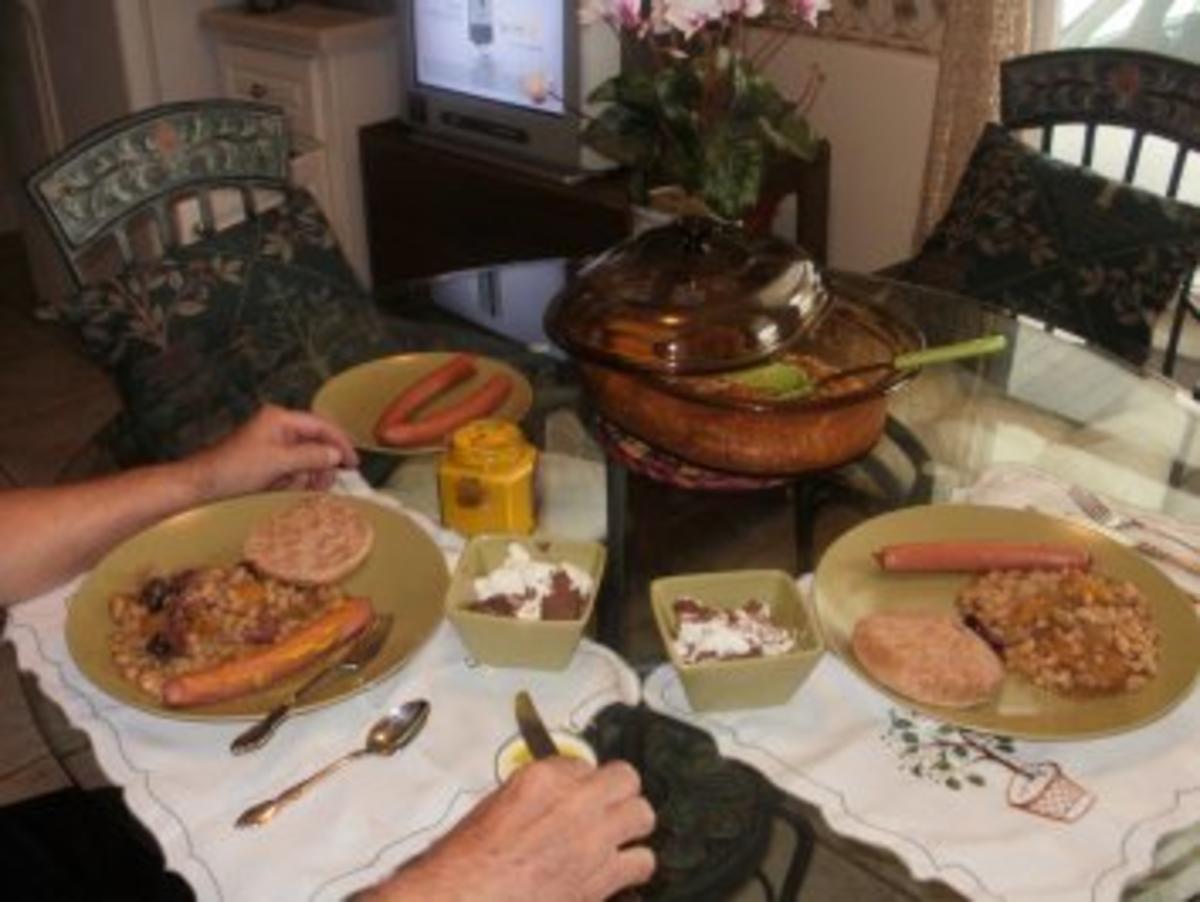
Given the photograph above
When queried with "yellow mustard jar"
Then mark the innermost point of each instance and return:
(485, 480)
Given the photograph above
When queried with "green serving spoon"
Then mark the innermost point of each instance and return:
(785, 381)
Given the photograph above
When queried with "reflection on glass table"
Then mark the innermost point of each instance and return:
(1048, 402)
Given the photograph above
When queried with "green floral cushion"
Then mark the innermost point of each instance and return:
(1061, 243)
(263, 311)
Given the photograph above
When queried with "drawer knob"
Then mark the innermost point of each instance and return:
(258, 90)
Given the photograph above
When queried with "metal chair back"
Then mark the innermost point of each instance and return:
(130, 189)
(1147, 93)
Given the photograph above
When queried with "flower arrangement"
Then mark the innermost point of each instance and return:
(694, 111)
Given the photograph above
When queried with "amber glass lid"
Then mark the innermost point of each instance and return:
(695, 296)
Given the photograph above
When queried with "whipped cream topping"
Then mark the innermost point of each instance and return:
(527, 583)
(706, 633)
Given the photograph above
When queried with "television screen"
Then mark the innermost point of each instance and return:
(492, 49)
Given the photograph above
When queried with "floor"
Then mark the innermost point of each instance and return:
(32, 448)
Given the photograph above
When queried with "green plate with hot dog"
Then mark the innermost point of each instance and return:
(849, 584)
(404, 575)
(355, 398)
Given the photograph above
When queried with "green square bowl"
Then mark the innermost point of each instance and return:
(506, 641)
(741, 682)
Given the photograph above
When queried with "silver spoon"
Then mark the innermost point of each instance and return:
(389, 734)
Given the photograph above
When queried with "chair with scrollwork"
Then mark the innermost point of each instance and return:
(207, 283)
(122, 193)
(1059, 215)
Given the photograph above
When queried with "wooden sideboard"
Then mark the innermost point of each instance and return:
(433, 208)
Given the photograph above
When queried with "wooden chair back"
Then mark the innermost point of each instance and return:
(161, 177)
(1147, 93)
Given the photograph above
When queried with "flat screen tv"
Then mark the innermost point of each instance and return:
(505, 76)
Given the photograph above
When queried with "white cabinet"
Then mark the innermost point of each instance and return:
(332, 71)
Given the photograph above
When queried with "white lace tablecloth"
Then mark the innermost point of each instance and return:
(992, 817)
(182, 782)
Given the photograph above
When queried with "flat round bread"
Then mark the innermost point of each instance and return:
(319, 540)
(929, 657)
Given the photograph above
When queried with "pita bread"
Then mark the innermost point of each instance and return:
(320, 540)
(928, 657)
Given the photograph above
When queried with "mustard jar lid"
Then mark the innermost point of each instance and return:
(490, 445)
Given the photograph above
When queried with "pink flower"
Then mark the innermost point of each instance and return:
(809, 10)
(626, 14)
(689, 16)
(747, 9)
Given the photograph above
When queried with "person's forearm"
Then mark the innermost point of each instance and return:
(48, 535)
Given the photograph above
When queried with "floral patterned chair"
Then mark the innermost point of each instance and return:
(1060, 242)
(207, 284)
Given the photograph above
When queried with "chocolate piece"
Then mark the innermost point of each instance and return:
(497, 605)
(563, 602)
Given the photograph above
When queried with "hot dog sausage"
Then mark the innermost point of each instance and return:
(405, 405)
(481, 402)
(260, 669)
(979, 556)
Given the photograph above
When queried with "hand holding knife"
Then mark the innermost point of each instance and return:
(533, 730)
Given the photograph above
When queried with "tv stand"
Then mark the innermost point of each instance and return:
(434, 207)
(561, 175)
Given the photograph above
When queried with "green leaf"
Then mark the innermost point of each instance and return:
(622, 134)
(632, 89)
(954, 783)
(792, 136)
(976, 780)
(678, 92)
(733, 172)
(756, 96)
(605, 92)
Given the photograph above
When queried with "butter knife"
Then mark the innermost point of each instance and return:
(353, 658)
(533, 730)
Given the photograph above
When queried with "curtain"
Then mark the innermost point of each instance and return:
(978, 36)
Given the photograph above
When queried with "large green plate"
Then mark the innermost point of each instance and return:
(355, 398)
(405, 575)
(849, 585)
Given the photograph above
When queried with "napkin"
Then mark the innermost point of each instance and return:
(993, 817)
(355, 827)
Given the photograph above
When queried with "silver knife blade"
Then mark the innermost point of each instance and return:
(533, 730)
(351, 658)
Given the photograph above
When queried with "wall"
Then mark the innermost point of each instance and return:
(876, 109)
(169, 57)
(88, 77)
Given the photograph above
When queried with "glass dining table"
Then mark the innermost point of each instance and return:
(1048, 405)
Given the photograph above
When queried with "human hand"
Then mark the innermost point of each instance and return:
(557, 830)
(275, 449)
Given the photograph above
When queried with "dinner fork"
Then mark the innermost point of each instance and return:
(1101, 513)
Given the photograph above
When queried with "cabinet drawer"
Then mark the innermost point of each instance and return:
(283, 79)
